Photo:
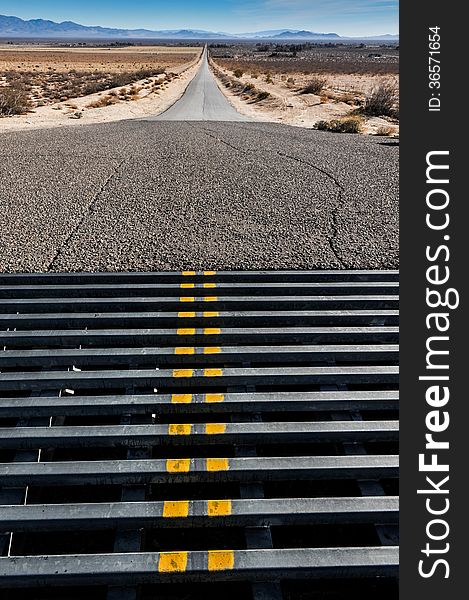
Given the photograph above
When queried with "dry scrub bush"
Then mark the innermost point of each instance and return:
(13, 101)
(262, 96)
(386, 131)
(314, 86)
(104, 101)
(383, 101)
(345, 125)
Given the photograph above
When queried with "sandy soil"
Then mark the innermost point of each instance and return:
(77, 111)
(286, 105)
(42, 58)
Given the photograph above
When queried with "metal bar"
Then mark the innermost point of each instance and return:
(192, 378)
(197, 354)
(176, 289)
(198, 470)
(132, 319)
(200, 513)
(196, 433)
(198, 302)
(221, 565)
(178, 276)
(202, 336)
(198, 403)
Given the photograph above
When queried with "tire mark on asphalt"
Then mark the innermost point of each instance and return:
(331, 239)
(88, 209)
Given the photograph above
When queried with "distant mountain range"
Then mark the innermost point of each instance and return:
(14, 27)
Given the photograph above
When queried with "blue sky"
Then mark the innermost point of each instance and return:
(346, 17)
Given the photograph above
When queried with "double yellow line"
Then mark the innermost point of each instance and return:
(176, 562)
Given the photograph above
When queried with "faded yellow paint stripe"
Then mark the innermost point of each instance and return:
(211, 314)
(213, 428)
(181, 398)
(186, 331)
(210, 272)
(184, 350)
(175, 508)
(179, 429)
(210, 298)
(187, 286)
(213, 372)
(214, 398)
(212, 330)
(218, 464)
(212, 350)
(187, 273)
(172, 562)
(219, 508)
(187, 299)
(185, 314)
(208, 286)
(220, 560)
(183, 372)
(178, 465)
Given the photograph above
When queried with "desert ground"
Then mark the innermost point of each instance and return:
(305, 84)
(328, 86)
(84, 85)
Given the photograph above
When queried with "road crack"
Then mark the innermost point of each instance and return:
(88, 209)
(331, 239)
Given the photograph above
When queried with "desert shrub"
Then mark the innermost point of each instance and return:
(103, 101)
(268, 78)
(238, 73)
(314, 86)
(345, 125)
(382, 101)
(13, 101)
(385, 131)
(262, 95)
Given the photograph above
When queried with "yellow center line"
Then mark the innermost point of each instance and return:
(220, 560)
(210, 272)
(186, 331)
(210, 298)
(212, 331)
(210, 398)
(183, 372)
(219, 508)
(213, 372)
(175, 508)
(214, 428)
(185, 315)
(212, 350)
(209, 285)
(179, 429)
(184, 350)
(218, 464)
(187, 299)
(211, 313)
(181, 398)
(187, 286)
(178, 465)
(188, 273)
(172, 562)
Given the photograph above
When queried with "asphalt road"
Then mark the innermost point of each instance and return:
(202, 101)
(150, 195)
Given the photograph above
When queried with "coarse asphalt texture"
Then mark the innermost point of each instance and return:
(161, 194)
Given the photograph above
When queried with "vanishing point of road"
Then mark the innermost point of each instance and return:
(197, 187)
